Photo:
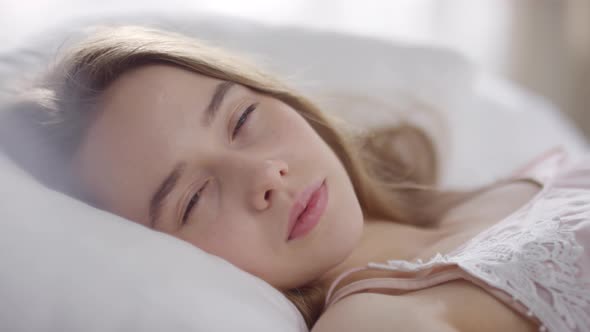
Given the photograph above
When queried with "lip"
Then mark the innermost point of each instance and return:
(314, 199)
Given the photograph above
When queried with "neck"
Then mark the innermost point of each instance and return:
(381, 241)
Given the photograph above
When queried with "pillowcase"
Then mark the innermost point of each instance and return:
(67, 266)
(71, 267)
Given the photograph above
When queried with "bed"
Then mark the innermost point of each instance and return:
(67, 266)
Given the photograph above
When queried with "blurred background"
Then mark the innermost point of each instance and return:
(542, 45)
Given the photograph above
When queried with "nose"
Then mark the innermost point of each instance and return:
(267, 178)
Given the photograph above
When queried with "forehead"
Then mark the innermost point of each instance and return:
(145, 118)
(148, 87)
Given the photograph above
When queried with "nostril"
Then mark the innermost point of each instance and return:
(266, 195)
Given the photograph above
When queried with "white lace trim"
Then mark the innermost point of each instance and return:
(533, 257)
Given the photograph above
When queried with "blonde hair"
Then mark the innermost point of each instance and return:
(393, 169)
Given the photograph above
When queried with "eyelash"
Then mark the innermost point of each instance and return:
(194, 200)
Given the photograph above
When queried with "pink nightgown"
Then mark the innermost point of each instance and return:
(536, 260)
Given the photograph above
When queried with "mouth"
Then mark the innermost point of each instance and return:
(307, 210)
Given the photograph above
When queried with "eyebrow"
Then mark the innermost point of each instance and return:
(220, 91)
(163, 191)
(166, 187)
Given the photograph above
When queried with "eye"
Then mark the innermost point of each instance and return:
(243, 119)
(194, 200)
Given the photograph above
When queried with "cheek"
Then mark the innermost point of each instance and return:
(239, 244)
(291, 131)
(244, 253)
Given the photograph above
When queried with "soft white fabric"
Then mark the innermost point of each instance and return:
(69, 267)
(66, 266)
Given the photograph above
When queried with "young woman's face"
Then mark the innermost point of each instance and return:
(226, 180)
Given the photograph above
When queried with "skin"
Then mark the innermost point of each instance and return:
(150, 120)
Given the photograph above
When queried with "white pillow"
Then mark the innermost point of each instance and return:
(67, 266)
(70, 267)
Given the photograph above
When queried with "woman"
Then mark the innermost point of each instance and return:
(186, 140)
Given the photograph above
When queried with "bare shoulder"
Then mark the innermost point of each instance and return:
(380, 312)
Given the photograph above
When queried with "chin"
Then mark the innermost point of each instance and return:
(346, 235)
